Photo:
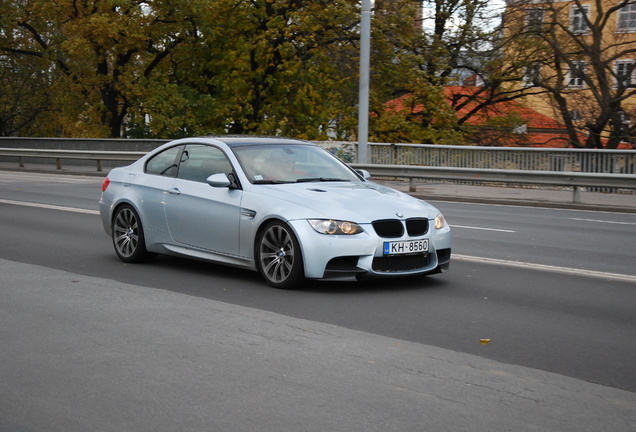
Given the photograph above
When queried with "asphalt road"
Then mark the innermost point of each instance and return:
(575, 318)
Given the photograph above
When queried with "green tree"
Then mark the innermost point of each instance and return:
(101, 54)
(25, 104)
(168, 68)
(176, 67)
(274, 70)
(421, 117)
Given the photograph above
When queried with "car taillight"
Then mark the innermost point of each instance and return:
(105, 184)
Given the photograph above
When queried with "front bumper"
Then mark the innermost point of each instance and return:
(358, 256)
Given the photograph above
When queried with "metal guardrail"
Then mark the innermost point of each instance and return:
(95, 155)
(575, 180)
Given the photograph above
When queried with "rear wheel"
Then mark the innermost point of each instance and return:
(128, 236)
(278, 256)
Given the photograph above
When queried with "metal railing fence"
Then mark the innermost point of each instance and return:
(601, 170)
(513, 158)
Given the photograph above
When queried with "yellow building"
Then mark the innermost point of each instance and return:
(576, 62)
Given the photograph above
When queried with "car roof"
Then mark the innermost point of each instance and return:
(243, 140)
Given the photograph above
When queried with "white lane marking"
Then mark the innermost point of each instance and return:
(548, 268)
(483, 229)
(604, 221)
(516, 206)
(508, 263)
(78, 210)
(49, 206)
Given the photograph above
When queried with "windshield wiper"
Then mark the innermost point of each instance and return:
(320, 179)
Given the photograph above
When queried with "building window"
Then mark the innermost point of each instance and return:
(532, 75)
(576, 74)
(520, 130)
(578, 19)
(534, 20)
(627, 18)
(624, 70)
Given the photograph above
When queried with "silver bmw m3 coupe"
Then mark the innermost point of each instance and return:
(283, 207)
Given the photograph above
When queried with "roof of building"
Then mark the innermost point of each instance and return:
(538, 130)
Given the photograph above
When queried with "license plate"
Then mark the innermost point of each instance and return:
(406, 247)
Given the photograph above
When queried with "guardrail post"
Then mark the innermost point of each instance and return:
(58, 163)
(412, 185)
(21, 161)
(99, 165)
(576, 196)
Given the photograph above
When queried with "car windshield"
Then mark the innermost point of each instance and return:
(283, 163)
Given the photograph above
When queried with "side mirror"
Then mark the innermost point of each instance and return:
(219, 180)
(364, 174)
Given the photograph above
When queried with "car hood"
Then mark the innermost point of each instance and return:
(361, 202)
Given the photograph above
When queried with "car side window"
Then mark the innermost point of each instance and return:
(164, 163)
(200, 161)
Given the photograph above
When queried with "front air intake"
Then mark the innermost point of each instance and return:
(401, 263)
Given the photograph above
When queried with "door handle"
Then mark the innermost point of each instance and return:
(174, 191)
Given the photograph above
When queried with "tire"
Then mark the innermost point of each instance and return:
(278, 256)
(128, 236)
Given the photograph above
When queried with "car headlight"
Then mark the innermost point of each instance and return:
(334, 227)
(439, 221)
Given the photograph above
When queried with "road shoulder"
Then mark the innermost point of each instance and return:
(84, 353)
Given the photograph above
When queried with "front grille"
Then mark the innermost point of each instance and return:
(394, 228)
(400, 263)
(388, 228)
(416, 227)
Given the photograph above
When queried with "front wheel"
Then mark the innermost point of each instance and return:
(128, 236)
(278, 256)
